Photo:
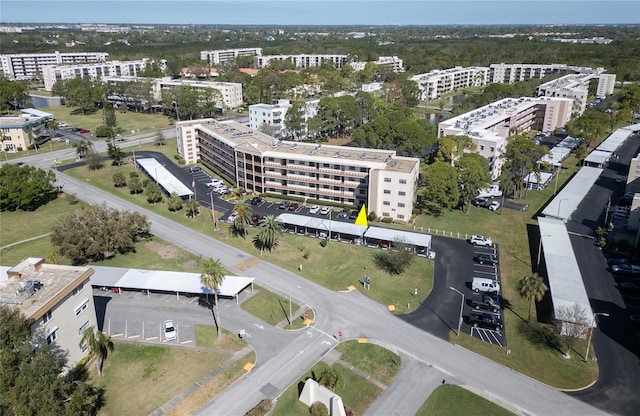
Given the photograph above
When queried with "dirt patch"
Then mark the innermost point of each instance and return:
(191, 264)
(164, 251)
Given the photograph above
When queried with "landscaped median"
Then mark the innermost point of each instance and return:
(276, 310)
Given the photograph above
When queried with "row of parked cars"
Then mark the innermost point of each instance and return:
(486, 307)
(492, 205)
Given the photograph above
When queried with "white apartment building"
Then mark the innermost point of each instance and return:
(54, 73)
(231, 91)
(224, 55)
(435, 83)
(383, 181)
(606, 84)
(26, 66)
(395, 63)
(20, 131)
(274, 114)
(576, 87)
(301, 61)
(56, 300)
(509, 73)
(490, 126)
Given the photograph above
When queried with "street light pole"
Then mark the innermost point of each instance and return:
(461, 307)
(586, 355)
(290, 322)
(213, 212)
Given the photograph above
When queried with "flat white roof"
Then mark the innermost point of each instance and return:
(597, 157)
(163, 177)
(533, 178)
(565, 281)
(320, 223)
(389, 234)
(37, 113)
(614, 141)
(568, 199)
(166, 281)
(556, 155)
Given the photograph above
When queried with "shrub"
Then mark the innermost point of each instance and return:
(306, 254)
(372, 216)
(262, 409)
(318, 409)
(133, 174)
(119, 180)
(387, 220)
(323, 243)
(102, 131)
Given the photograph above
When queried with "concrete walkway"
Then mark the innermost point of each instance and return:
(24, 241)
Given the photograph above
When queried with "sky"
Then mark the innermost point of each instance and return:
(322, 12)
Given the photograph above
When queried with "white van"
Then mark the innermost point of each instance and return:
(481, 284)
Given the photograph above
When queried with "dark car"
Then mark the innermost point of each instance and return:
(626, 269)
(480, 202)
(344, 213)
(284, 205)
(483, 258)
(629, 288)
(256, 200)
(255, 219)
(194, 169)
(486, 320)
(488, 302)
(617, 262)
(353, 215)
(293, 207)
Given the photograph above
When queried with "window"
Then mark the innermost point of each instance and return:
(77, 290)
(385, 214)
(84, 347)
(387, 191)
(400, 216)
(387, 179)
(83, 327)
(402, 193)
(46, 317)
(82, 307)
(403, 181)
(481, 147)
(386, 203)
(493, 149)
(53, 335)
(401, 205)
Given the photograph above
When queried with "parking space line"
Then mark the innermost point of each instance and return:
(133, 336)
(150, 338)
(186, 342)
(117, 335)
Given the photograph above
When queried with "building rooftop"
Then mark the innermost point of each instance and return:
(242, 137)
(35, 287)
(20, 121)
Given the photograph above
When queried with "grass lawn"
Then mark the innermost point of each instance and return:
(268, 306)
(374, 360)
(140, 378)
(451, 400)
(207, 337)
(357, 393)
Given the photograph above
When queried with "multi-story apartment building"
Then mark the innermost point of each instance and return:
(491, 125)
(20, 131)
(54, 73)
(576, 87)
(438, 82)
(274, 114)
(231, 91)
(509, 73)
(395, 63)
(26, 66)
(302, 61)
(224, 55)
(606, 83)
(56, 300)
(383, 181)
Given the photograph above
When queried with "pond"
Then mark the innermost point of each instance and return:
(436, 118)
(39, 101)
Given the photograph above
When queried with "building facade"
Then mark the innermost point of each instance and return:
(383, 181)
(393, 62)
(434, 84)
(302, 61)
(269, 114)
(54, 73)
(27, 66)
(56, 300)
(224, 55)
(491, 125)
(19, 132)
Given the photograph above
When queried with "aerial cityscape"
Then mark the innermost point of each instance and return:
(325, 208)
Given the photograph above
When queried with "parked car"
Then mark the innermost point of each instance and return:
(480, 202)
(488, 302)
(383, 244)
(483, 284)
(255, 219)
(629, 288)
(294, 206)
(486, 320)
(478, 240)
(314, 209)
(84, 131)
(214, 182)
(231, 218)
(194, 169)
(344, 213)
(626, 269)
(353, 215)
(617, 262)
(169, 330)
(484, 258)
(256, 200)
(494, 206)
(284, 205)
(325, 210)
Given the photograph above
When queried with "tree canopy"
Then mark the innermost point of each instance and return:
(95, 232)
(25, 187)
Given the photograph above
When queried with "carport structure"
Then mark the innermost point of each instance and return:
(337, 230)
(165, 281)
(567, 200)
(169, 183)
(390, 235)
(565, 280)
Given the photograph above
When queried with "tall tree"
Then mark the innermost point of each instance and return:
(450, 148)
(25, 188)
(192, 209)
(211, 277)
(521, 157)
(294, 120)
(243, 217)
(13, 94)
(440, 190)
(532, 288)
(99, 344)
(110, 120)
(473, 175)
(270, 232)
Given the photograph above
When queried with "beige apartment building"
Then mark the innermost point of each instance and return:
(56, 300)
(491, 125)
(18, 132)
(381, 179)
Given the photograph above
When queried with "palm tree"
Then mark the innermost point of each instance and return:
(602, 236)
(532, 287)
(243, 217)
(99, 345)
(212, 275)
(82, 147)
(269, 234)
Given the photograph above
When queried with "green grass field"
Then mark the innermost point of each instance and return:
(268, 306)
(374, 360)
(451, 400)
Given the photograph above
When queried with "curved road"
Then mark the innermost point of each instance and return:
(355, 316)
